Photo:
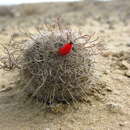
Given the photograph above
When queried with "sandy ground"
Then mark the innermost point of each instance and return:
(106, 110)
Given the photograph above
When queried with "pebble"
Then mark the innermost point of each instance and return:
(108, 89)
(127, 73)
(6, 89)
(2, 29)
(107, 54)
(15, 35)
(106, 72)
(125, 64)
(114, 108)
(128, 44)
(123, 123)
(47, 129)
(2, 86)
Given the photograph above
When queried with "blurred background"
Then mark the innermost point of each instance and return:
(73, 11)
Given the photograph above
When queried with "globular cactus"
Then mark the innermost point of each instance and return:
(51, 77)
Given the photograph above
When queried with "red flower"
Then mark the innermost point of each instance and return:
(65, 49)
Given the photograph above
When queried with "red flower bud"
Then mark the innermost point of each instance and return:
(65, 49)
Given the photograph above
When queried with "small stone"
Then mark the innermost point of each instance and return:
(47, 128)
(2, 86)
(114, 108)
(117, 71)
(108, 89)
(122, 123)
(127, 73)
(111, 27)
(102, 31)
(107, 54)
(16, 34)
(106, 72)
(118, 54)
(6, 89)
(128, 44)
(2, 29)
(98, 97)
(125, 64)
(89, 102)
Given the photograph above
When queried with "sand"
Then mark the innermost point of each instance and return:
(109, 107)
